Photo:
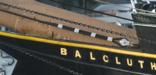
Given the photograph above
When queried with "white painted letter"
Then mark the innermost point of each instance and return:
(129, 62)
(153, 66)
(105, 58)
(141, 62)
(77, 54)
(92, 57)
(117, 61)
(63, 51)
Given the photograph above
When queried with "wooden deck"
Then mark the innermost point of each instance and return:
(80, 21)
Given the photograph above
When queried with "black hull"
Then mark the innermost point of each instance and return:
(24, 49)
(144, 18)
(29, 66)
(147, 34)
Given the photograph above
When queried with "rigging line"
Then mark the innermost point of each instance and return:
(25, 51)
(92, 10)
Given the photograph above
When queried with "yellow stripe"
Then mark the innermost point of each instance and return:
(101, 48)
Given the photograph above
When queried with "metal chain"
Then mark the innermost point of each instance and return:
(28, 53)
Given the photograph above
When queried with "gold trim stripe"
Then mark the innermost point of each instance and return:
(101, 48)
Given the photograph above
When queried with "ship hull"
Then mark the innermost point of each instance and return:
(146, 34)
(41, 56)
(30, 66)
